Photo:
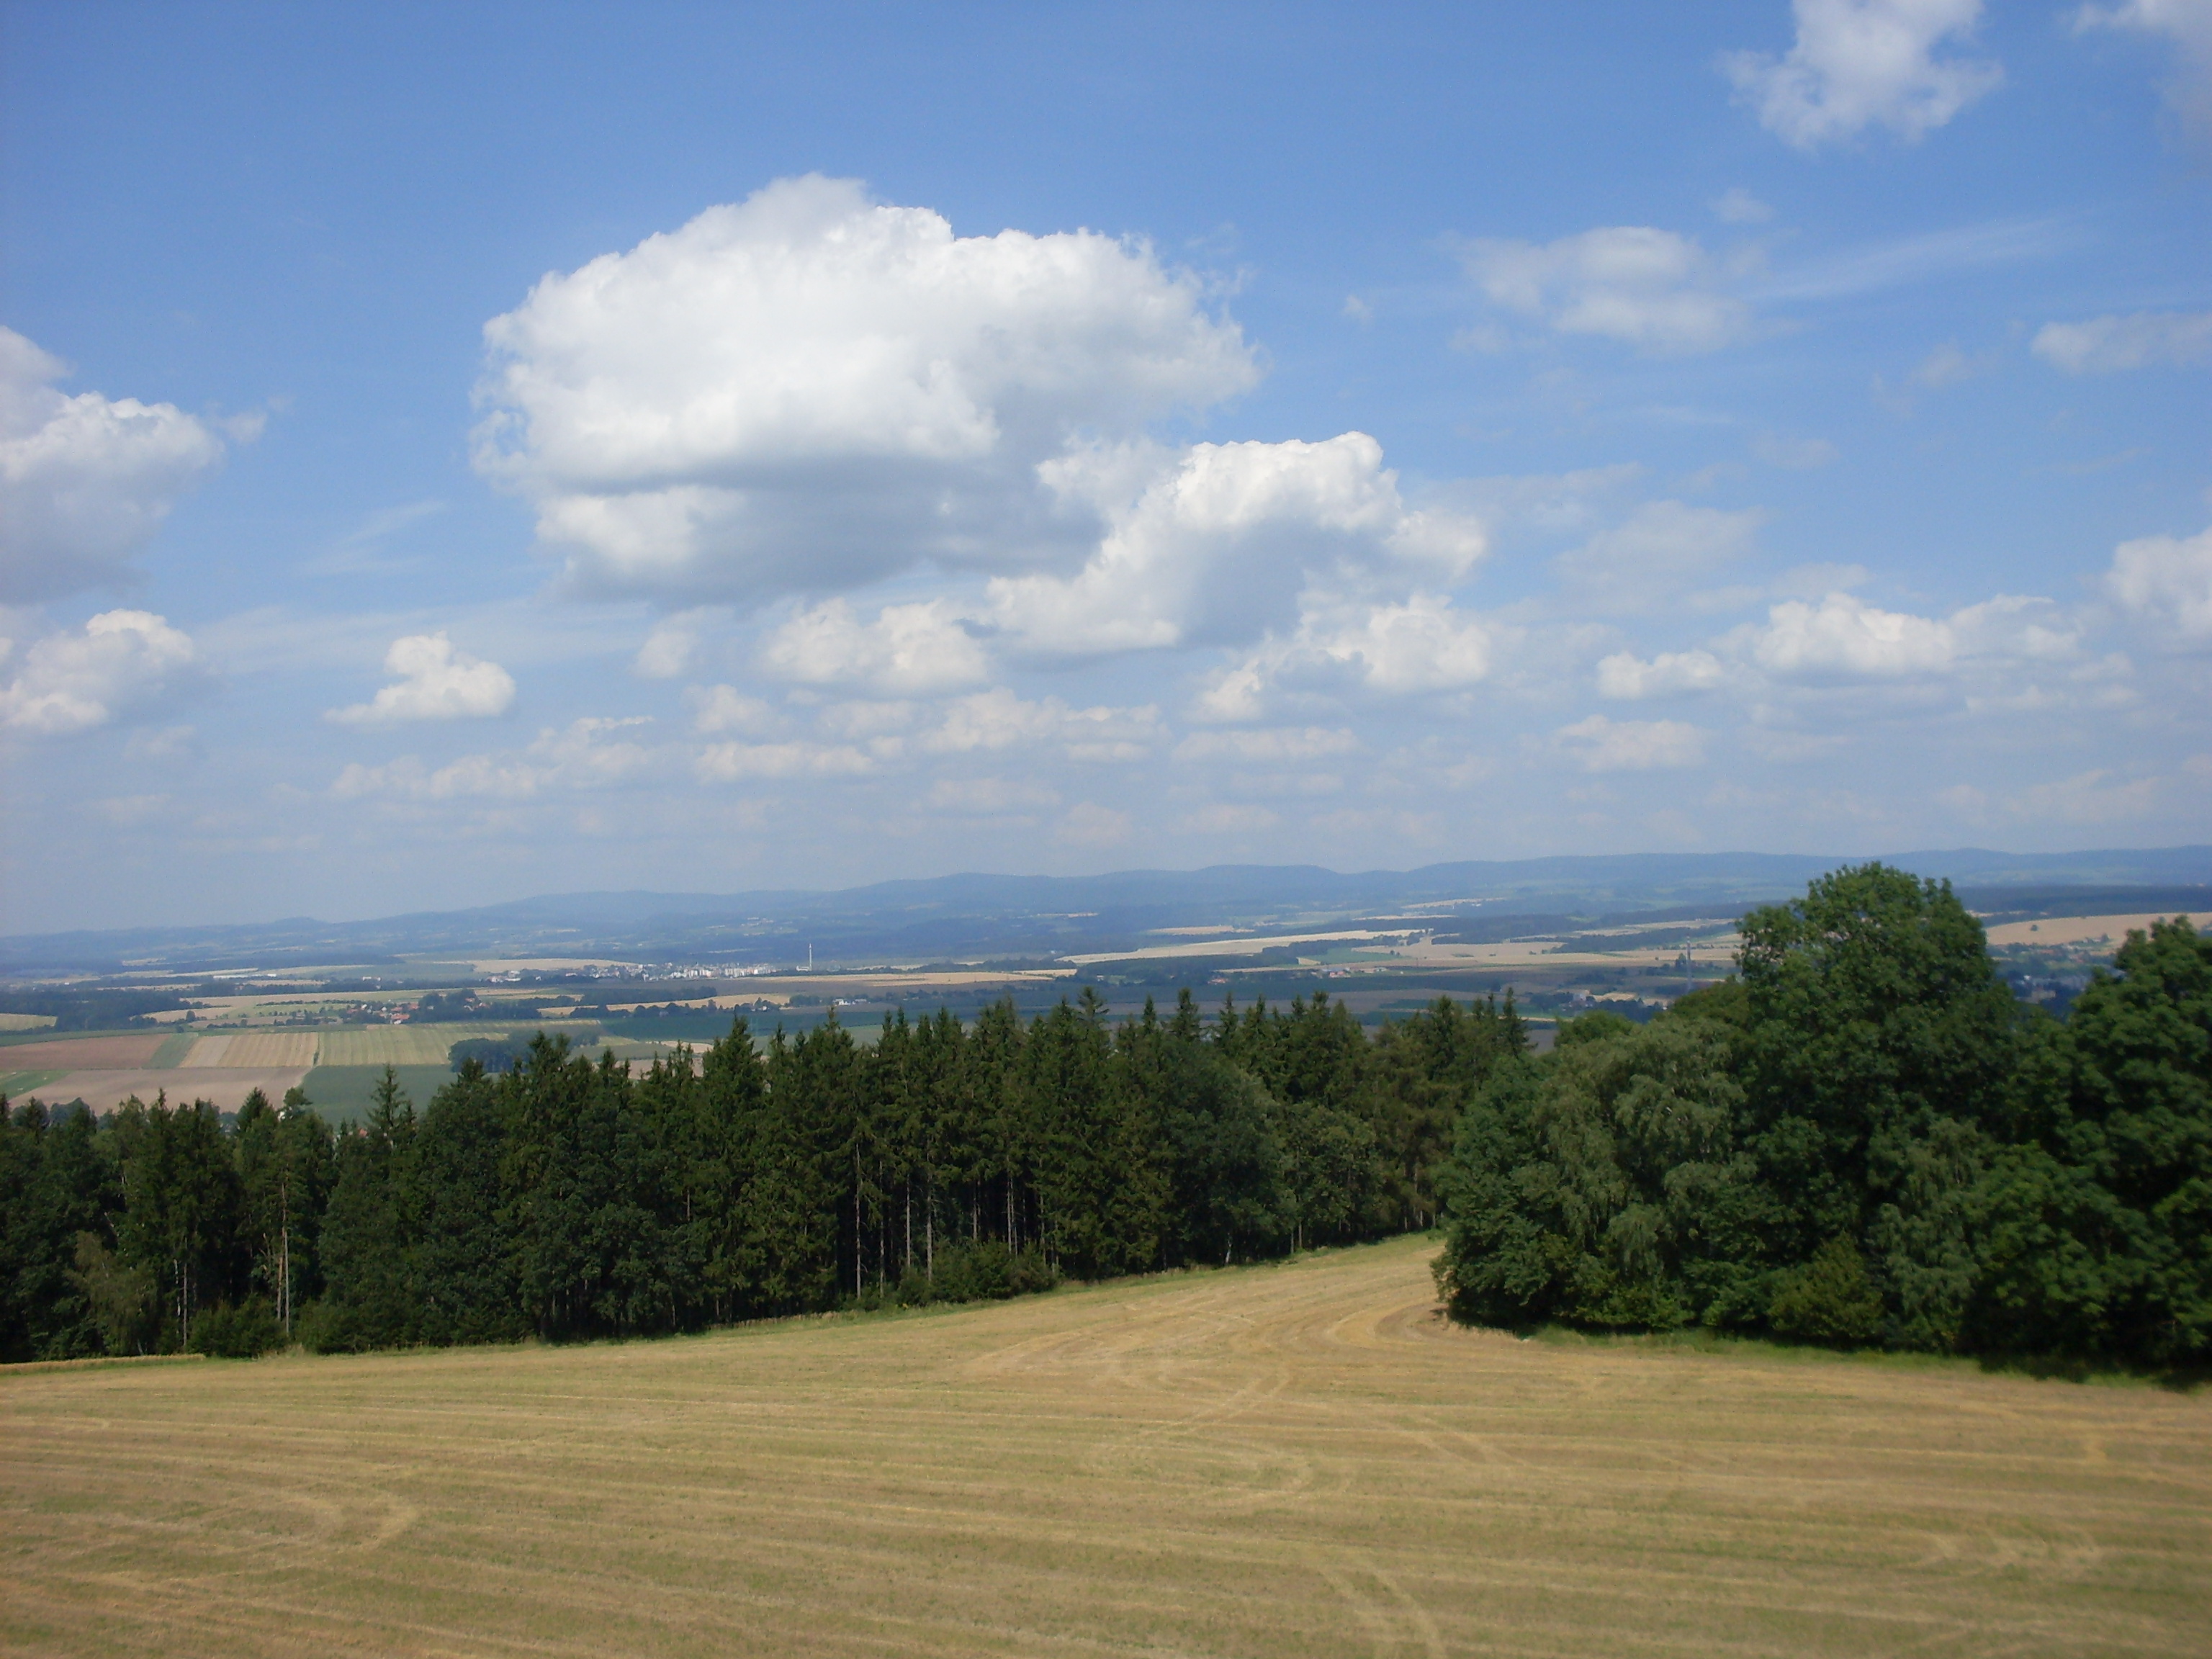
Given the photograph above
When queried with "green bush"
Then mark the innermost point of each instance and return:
(239, 1333)
(1830, 1300)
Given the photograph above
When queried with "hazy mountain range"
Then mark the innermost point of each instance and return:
(987, 916)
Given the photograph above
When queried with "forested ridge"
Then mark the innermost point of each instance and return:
(1862, 1139)
(568, 1199)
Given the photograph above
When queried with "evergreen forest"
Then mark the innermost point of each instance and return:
(565, 1198)
(1862, 1139)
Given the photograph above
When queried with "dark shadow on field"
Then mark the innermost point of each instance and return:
(2052, 1368)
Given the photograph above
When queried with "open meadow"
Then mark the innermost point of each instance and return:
(1298, 1459)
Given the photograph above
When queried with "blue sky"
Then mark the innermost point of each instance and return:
(453, 453)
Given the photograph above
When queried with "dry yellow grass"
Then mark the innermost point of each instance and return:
(397, 1045)
(223, 1086)
(2073, 930)
(1276, 1461)
(262, 1048)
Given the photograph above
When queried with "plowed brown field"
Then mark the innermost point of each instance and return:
(1299, 1459)
(86, 1054)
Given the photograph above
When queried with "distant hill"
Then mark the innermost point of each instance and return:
(972, 916)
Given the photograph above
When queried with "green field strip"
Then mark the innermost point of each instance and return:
(16, 1085)
(344, 1094)
(173, 1050)
(17, 1039)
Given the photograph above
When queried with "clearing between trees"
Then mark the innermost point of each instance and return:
(1296, 1458)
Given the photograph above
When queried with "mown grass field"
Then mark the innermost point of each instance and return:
(1270, 1461)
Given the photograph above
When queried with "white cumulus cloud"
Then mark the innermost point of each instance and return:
(436, 682)
(810, 391)
(1859, 63)
(1844, 637)
(2166, 580)
(2142, 339)
(1215, 543)
(85, 480)
(906, 648)
(1658, 290)
(1423, 645)
(118, 662)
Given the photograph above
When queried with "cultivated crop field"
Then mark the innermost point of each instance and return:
(1299, 1459)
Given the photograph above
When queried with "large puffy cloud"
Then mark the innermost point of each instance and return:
(84, 480)
(2142, 339)
(2166, 580)
(1859, 63)
(1657, 289)
(118, 662)
(436, 682)
(1222, 539)
(810, 391)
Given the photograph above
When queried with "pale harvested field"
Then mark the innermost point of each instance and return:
(400, 1045)
(255, 1049)
(1292, 1461)
(225, 1086)
(1249, 945)
(1549, 952)
(2073, 930)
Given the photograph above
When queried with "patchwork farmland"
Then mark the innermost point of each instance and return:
(224, 1066)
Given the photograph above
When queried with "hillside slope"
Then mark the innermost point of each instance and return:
(1278, 1461)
